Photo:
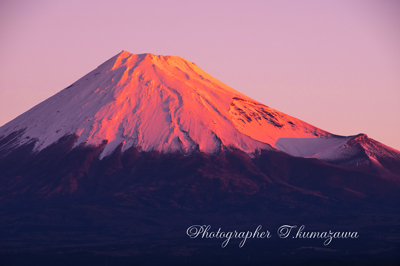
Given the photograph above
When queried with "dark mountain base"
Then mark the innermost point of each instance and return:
(67, 207)
(259, 256)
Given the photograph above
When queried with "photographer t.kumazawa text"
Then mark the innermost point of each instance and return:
(284, 231)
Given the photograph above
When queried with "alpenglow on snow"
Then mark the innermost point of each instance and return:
(167, 104)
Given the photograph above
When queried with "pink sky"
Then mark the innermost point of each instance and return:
(334, 64)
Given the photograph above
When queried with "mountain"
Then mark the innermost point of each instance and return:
(157, 103)
(168, 104)
(144, 146)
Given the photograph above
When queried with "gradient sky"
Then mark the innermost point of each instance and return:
(334, 64)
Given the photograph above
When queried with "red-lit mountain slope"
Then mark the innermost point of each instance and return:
(168, 104)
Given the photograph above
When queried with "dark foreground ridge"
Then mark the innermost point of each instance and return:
(67, 207)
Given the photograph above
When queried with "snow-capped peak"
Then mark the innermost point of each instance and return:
(162, 103)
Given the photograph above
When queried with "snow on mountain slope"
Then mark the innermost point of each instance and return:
(268, 125)
(167, 104)
(373, 156)
(322, 148)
